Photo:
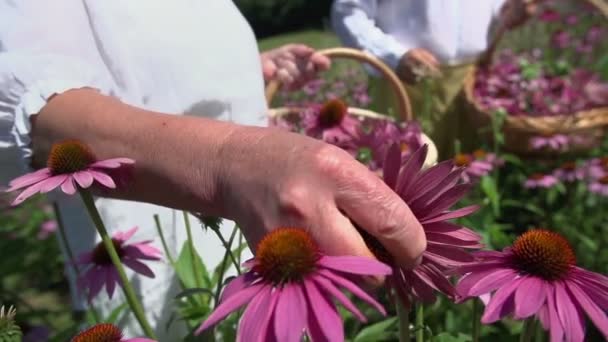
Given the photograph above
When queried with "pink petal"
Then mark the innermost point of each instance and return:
(111, 281)
(439, 188)
(493, 281)
(142, 251)
(451, 215)
(556, 328)
(429, 179)
(83, 178)
(68, 186)
(237, 284)
(95, 280)
(596, 314)
(27, 193)
(392, 164)
(52, 183)
(256, 318)
(28, 179)
(354, 265)
(328, 286)
(138, 339)
(529, 297)
(231, 304)
(434, 278)
(85, 258)
(410, 169)
(324, 313)
(422, 290)
(123, 236)
(466, 283)
(501, 303)
(447, 199)
(352, 288)
(568, 315)
(112, 163)
(138, 267)
(104, 179)
(290, 317)
(447, 256)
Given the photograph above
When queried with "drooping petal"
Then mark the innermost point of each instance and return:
(110, 282)
(354, 265)
(451, 240)
(595, 314)
(27, 193)
(410, 170)
(392, 164)
(291, 314)
(142, 251)
(256, 318)
(429, 179)
(327, 286)
(112, 163)
(438, 189)
(493, 281)
(567, 313)
(95, 280)
(467, 282)
(529, 297)
(237, 284)
(324, 312)
(28, 179)
(451, 214)
(447, 200)
(52, 183)
(447, 256)
(103, 179)
(352, 288)
(138, 267)
(68, 186)
(434, 278)
(501, 304)
(231, 304)
(83, 178)
(556, 329)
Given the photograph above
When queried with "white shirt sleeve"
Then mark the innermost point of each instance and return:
(27, 81)
(354, 23)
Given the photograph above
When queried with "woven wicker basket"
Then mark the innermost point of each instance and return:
(404, 109)
(591, 125)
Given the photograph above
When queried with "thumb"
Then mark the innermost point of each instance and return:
(374, 207)
(269, 69)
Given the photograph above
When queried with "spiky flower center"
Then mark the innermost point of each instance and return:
(101, 255)
(104, 332)
(479, 154)
(569, 166)
(543, 253)
(332, 113)
(69, 156)
(462, 160)
(603, 180)
(286, 255)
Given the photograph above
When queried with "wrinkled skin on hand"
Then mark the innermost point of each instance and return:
(293, 64)
(416, 64)
(272, 178)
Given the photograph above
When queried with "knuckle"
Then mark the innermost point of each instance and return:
(328, 159)
(293, 199)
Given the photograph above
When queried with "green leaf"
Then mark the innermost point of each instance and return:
(193, 291)
(488, 186)
(377, 331)
(447, 337)
(183, 268)
(113, 317)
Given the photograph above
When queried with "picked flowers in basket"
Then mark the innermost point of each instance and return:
(365, 135)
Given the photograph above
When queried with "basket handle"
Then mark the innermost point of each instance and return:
(405, 107)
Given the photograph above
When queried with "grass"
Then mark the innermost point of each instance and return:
(315, 38)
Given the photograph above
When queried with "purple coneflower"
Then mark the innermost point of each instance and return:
(70, 162)
(549, 15)
(330, 122)
(47, 228)
(289, 288)
(100, 271)
(597, 167)
(429, 194)
(569, 172)
(556, 142)
(600, 186)
(539, 180)
(105, 332)
(538, 276)
(476, 165)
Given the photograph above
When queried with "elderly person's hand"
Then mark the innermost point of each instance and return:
(416, 64)
(293, 64)
(262, 178)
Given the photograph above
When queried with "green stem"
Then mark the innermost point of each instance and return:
(223, 266)
(71, 259)
(476, 324)
(419, 322)
(237, 264)
(195, 271)
(134, 304)
(404, 321)
(162, 239)
(528, 330)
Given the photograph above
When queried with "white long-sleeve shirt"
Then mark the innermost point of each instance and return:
(455, 31)
(195, 57)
